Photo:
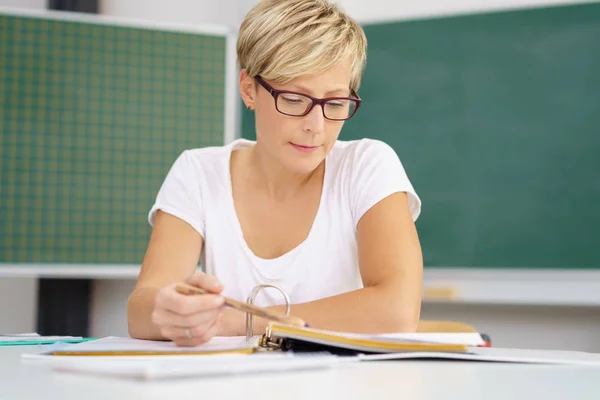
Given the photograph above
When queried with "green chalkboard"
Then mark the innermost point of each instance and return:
(496, 118)
(92, 117)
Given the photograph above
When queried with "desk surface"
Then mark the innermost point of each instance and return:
(415, 380)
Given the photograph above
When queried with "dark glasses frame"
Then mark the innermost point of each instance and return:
(275, 93)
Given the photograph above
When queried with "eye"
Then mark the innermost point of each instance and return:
(291, 99)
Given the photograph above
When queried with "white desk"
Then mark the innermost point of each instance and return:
(414, 380)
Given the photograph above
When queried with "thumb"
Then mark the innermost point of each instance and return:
(296, 321)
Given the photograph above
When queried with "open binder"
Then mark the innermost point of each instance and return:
(291, 338)
(296, 339)
(281, 337)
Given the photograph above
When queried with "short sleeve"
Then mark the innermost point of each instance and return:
(180, 194)
(377, 173)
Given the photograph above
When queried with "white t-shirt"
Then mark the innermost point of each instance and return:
(358, 174)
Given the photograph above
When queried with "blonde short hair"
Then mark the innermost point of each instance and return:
(283, 39)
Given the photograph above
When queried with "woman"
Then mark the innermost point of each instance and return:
(331, 222)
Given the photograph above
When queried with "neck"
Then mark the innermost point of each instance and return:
(278, 182)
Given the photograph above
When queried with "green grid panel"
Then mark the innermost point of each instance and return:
(92, 118)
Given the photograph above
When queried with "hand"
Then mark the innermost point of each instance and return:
(189, 320)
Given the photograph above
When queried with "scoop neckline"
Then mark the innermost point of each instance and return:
(271, 268)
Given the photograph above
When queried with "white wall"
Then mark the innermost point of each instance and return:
(221, 12)
(366, 11)
(384, 10)
(30, 4)
(232, 12)
(18, 305)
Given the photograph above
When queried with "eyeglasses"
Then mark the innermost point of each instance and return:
(298, 104)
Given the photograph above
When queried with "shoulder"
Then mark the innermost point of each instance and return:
(193, 175)
(372, 171)
(195, 159)
(362, 150)
(360, 159)
(206, 160)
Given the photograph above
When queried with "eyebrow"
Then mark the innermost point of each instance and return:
(333, 92)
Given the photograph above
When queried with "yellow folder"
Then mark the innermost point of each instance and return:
(287, 337)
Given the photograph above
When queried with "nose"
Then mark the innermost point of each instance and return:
(314, 121)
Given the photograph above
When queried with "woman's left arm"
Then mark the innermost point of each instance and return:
(391, 266)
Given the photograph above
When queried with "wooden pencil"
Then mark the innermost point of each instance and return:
(186, 289)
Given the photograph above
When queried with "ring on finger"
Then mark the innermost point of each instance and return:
(188, 333)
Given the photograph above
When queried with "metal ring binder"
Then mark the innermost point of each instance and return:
(250, 300)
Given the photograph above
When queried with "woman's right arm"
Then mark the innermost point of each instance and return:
(155, 311)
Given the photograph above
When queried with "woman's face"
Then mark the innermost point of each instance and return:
(299, 144)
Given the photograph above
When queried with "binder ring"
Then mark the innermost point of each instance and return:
(250, 300)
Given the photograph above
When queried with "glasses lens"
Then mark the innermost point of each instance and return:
(293, 104)
(339, 108)
(297, 104)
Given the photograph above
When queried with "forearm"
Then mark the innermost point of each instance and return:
(139, 314)
(375, 309)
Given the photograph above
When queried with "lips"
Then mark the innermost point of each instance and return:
(304, 149)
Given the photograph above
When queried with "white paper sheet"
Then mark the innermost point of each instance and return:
(166, 367)
(123, 344)
(529, 356)
(467, 338)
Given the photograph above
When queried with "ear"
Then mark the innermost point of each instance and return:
(247, 89)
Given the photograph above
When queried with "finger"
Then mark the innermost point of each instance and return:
(207, 282)
(197, 337)
(186, 342)
(187, 304)
(296, 321)
(164, 317)
(180, 333)
(211, 332)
